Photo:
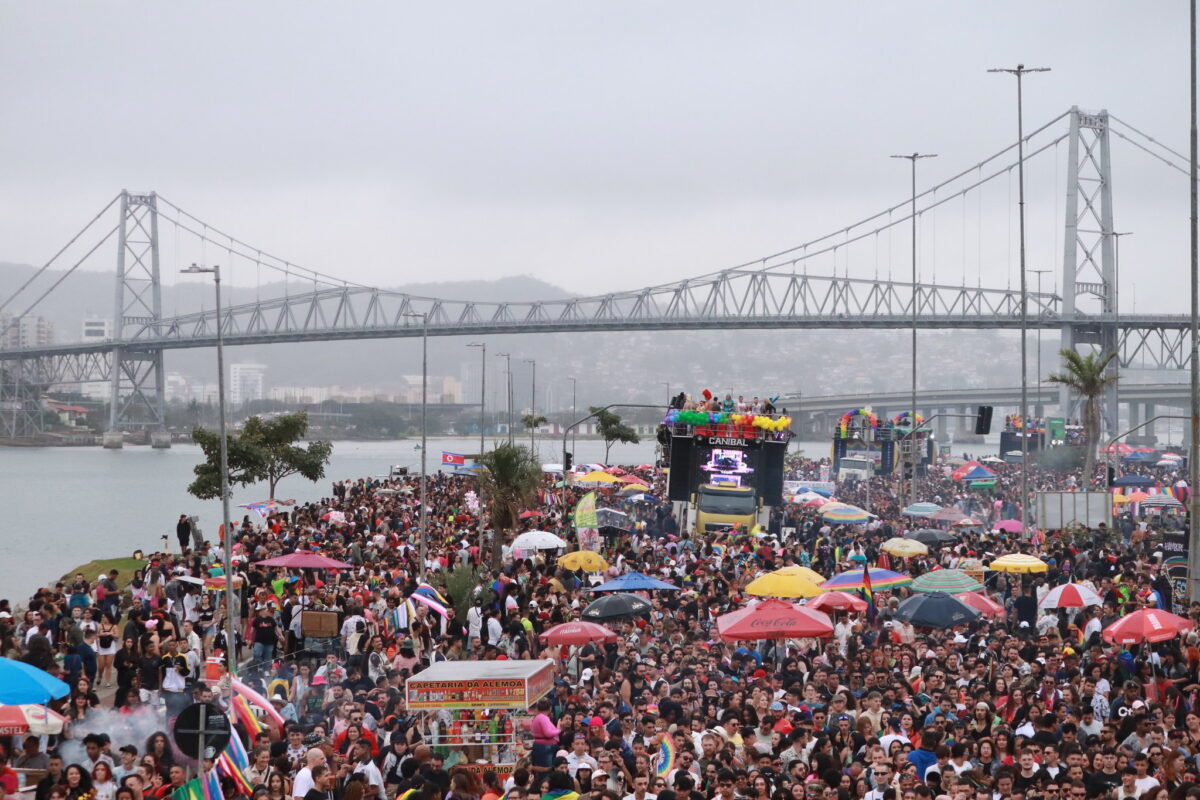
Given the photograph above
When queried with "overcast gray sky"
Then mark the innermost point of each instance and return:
(598, 146)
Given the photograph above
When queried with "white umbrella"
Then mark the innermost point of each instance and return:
(1071, 595)
(538, 540)
(1164, 500)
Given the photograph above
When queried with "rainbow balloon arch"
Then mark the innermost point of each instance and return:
(860, 433)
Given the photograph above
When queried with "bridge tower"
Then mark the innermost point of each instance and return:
(1089, 306)
(137, 379)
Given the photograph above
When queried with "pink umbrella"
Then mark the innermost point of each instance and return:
(578, 633)
(1008, 526)
(837, 601)
(984, 604)
(303, 559)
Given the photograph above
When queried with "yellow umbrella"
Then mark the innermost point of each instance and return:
(1120, 499)
(586, 560)
(596, 476)
(805, 572)
(905, 548)
(1018, 562)
(784, 582)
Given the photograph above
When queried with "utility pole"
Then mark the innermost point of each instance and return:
(424, 427)
(574, 440)
(912, 487)
(1019, 72)
(482, 390)
(508, 375)
(532, 399)
(1039, 273)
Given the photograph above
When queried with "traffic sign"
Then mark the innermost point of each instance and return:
(203, 730)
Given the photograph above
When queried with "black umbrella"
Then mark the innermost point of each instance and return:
(933, 536)
(615, 606)
(936, 610)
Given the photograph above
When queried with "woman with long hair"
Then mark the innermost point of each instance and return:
(78, 782)
(277, 786)
(107, 636)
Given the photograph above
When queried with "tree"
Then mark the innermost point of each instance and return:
(264, 450)
(612, 429)
(509, 481)
(533, 421)
(1086, 376)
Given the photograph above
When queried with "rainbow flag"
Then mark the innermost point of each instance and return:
(244, 716)
(868, 594)
(212, 786)
(233, 764)
(408, 794)
(666, 757)
(429, 591)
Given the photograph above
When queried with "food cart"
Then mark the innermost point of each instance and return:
(484, 699)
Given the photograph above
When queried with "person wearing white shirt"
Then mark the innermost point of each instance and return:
(303, 782)
(366, 767)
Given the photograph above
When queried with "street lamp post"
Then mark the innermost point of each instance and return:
(424, 425)
(1019, 72)
(227, 551)
(482, 390)
(1194, 447)
(532, 399)
(915, 297)
(574, 441)
(508, 382)
(1039, 273)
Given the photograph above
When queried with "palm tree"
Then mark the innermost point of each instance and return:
(1086, 377)
(509, 481)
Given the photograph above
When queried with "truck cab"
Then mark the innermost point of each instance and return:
(724, 506)
(855, 468)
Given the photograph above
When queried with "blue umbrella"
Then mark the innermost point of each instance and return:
(635, 582)
(21, 683)
(1133, 480)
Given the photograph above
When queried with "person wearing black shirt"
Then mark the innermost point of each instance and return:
(266, 635)
(322, 784)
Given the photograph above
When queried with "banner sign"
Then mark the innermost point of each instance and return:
(1175, 562)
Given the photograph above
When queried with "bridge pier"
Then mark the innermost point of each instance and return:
(160, 440)
(113, 440)
(943, 427)
(1145, 437)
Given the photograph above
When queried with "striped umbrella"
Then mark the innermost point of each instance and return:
(1071, 595)
(1161, 500)
(950, 581)
(880, 579)
(846, 514)
(921, 509)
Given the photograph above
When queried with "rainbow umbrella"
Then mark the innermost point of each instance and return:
(852, 580)
(950, 581)
(845, 514)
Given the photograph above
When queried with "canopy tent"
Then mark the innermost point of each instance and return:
(636, 582)
(978, 473)
(304, 559)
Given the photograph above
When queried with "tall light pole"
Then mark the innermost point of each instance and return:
(1194, 448)
(573, 439)
(532, 399)
(912, 487)
(424, 424)
(1019, 72)
(1116, 298)
(482, 390)
(508, 375)
(1039, 273)
(227, 553)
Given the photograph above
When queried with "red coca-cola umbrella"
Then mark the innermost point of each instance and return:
(836, 601)
(1146, 625)
(578, 633)
(775, 619)
(982, 603)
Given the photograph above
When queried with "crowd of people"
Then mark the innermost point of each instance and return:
(1032, 705)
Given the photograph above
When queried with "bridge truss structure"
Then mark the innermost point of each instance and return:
(773, 292)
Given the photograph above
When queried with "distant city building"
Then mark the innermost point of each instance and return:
(95, 330)
(177, 387)
(28, 331)
(246, 383)
(441, 390)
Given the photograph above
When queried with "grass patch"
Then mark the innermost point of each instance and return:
(92, 569)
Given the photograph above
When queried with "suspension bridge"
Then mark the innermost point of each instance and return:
(776, 291)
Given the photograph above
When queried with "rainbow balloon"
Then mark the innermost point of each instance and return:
(844, 422)
(258, 701)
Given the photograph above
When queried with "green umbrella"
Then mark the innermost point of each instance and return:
(950, 581)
